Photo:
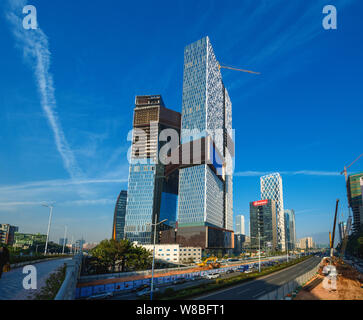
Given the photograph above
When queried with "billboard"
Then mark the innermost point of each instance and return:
(260, 203)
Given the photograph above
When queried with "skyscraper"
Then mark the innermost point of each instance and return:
(119, 216)
(205, 207)
(240, 224)
(7, 233)
(263, 224)
(151, 196)
(355, 200)
(290, 229)
(271, 188)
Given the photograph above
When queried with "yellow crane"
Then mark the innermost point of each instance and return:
(236, 69)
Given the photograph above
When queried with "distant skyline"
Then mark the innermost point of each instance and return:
(66, 141)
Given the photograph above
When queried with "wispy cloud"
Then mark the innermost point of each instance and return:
(59, 183)
(35, 47)
(301, 172)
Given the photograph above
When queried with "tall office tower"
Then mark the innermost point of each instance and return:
(290, 231)
(355, 200)
(118, 232)
(205, 207)
(240, 224)
(263, 224)
(271, 188)
(151, 196)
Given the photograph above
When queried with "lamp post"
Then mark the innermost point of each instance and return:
(64, 239)
(152, 269)
(259, 249)
(50, 206)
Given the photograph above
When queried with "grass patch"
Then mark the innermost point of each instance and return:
(52, 285)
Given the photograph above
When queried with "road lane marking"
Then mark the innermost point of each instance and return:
(258, 294)
(243, 291)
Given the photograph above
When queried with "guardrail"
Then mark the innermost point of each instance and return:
(290, 286)
(68, 289)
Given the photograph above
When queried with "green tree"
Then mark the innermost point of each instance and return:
(122, 255)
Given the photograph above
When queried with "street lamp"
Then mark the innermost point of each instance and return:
(259, 250)
(152, 269)
(64, 239)
(50, 206)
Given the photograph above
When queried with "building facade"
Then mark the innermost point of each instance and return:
(26, 240)
(205, 206)
(355, 201)
(174, 253)
(119, 216)
(290, 229)
(152, 196)
(271, 188)
(306, 243)
(263, 224)
(7, 233)
(240, 224)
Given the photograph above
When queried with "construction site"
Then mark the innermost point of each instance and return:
(348, 283)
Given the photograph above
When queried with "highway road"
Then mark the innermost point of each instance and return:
(251, 290)
(11, 283)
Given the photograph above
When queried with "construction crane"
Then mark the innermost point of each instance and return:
(236, 69)
(346, 167)
(332, 236)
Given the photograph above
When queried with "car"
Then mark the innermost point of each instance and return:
(212, 276)
(230, 271)
(248, 271)
(146, 291)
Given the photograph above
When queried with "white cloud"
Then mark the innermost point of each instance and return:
(301, 172)
(34, 44)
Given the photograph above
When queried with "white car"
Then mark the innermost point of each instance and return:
(212, 276)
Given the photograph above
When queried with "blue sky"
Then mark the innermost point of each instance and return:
(301, 116)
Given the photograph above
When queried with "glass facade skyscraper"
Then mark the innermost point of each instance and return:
(290, 231)
(119, 216)
(152, 196)
(271, 188)
(263, 224)
(205, 189)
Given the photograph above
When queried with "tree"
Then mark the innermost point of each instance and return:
(122, 255)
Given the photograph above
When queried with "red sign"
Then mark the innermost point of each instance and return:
(260, 203)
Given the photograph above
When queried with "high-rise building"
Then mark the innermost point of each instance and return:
(119, 216)
(152, 195)
(306, 243)
(7, 233)
(240, 224)
(205, 206)
(355, 200)
(263, 224)
(271, 188)
(290, 229)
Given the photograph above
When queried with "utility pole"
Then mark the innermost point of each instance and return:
(50, 206)
(64, 239)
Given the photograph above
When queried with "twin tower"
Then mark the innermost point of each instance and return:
(181, 165)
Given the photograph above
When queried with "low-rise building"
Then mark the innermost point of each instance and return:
(7, 233)
(175, 253)
(26, 240)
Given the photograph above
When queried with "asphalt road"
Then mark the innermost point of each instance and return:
(11, 283)
(253, 289)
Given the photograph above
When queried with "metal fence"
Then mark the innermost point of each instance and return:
(68, 289)
(289, 287)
